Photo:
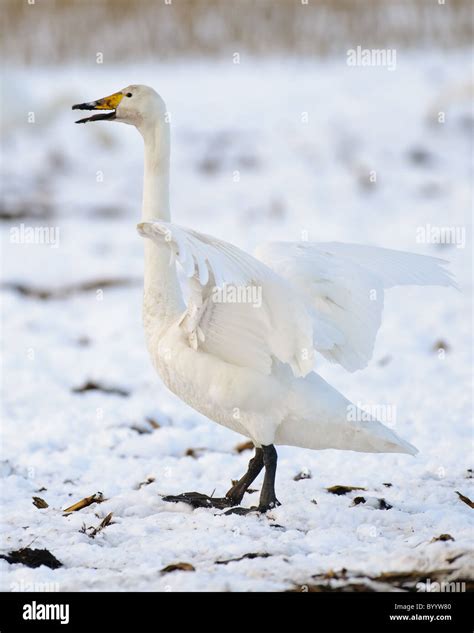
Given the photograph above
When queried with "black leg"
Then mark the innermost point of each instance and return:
(236, 493)
(268, 498)
(265, 456)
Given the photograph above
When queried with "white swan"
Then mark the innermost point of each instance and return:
(243, 349)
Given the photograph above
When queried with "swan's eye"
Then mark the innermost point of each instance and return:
(129, 94)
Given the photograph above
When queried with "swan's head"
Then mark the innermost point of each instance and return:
(136, 105)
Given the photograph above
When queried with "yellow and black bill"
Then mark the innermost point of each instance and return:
(106, 103)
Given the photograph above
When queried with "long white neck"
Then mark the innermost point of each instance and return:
(162, 295)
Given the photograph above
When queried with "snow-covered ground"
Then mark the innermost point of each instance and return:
(261, 150)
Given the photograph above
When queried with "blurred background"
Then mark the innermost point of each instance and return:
(254, 86)
(60, 31)
(274, 136)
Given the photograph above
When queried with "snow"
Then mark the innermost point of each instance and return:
(246, 168)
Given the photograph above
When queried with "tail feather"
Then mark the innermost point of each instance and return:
(368, 437)
(323, 418)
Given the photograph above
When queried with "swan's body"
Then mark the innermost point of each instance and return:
(249, 366)
(243, 355)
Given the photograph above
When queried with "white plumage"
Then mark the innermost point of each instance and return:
(346, 282)
(315, 298)
(244, 348)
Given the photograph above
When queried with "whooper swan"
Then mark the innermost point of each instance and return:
(242, 350)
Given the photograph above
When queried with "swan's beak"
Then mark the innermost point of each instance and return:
(107, 103)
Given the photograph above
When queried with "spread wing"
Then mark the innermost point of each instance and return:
(239, 310)
(346, 283)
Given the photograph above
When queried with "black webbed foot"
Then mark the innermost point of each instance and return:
(266, 456)
(199, 500)
(264, 505)
(241, 511)
(257, 509)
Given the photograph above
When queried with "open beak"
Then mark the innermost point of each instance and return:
(107, 103)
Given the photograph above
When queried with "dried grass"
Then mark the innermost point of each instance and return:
(57, 31)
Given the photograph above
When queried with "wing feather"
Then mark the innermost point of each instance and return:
(325, 298)
(346, 283)
(278, 327)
